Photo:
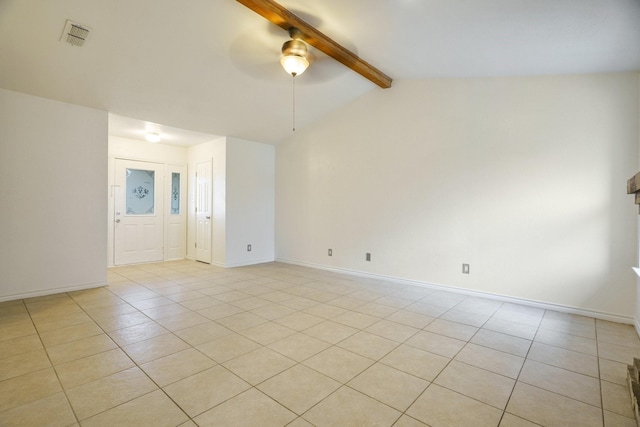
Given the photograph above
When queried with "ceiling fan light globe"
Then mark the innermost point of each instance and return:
(294, 64)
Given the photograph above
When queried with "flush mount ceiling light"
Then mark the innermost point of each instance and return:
(152, 137)
(294, 54)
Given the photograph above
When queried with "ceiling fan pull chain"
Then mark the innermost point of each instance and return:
(294, 102)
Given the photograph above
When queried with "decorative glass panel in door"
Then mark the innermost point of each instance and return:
(140, 199)
(175, 193)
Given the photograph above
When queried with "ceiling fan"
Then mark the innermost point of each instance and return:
(301, 30)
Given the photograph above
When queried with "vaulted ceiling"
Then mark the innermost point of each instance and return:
(212, 66)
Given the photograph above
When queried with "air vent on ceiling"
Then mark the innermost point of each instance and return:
(75, 34)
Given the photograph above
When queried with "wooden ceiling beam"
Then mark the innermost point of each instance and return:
(280, 16)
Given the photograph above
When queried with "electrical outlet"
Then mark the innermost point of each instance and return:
(248, 248)
(465, 268)
(330, 252)
(368, 256)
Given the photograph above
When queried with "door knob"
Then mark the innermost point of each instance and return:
(117, 220)
(208, 217)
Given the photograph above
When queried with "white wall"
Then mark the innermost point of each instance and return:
(53, 172)
(522, 178)
(250, 202)
(131, 149)
(243, 200)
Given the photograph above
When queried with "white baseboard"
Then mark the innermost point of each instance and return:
(246, 263)
(505, 298)
(44, 292)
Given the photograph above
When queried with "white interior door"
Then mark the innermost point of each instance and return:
(175, 214)
(138, 213)
(203, 211)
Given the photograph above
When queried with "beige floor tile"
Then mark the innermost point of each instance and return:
(615, 398)
(567, 341)
(20, 345)
(326, 311)
(492, 360)
(299, 347)
(479, 384)
(273, 311)
(267, 333)
(182, 321)
(451, 329)
(228, 347)
(203, 332)
(14, 366)
(339, 364)
(220, 311)
(407, 421)
(614, 372)
(114, 323)
(232, 296)
(146, 304)
(71, 333)
(114, 306)
(80, 348)
(347, 407)
(137, 333)
(44, 324)
(90, 368)
(479, 305)
(390, 386)
(566, 359)
(376, 309)
(51, 411)
(186, 296)
(205, 390)
(416, 362)
(241, 321)
(198, 303)
(392, 330)
(299, 388)
(156, 313)
(466, 318)
(569, 328)
(27, 388)
(259, 365)
(17, 329)
(153, 409)
(347, 302)
(155, 348)
(617, 353)
(251, 408)
(551, 409)
(509, 420)
(330, 331)
(356, 320)
(368, 345)
(428, 309)
(299, 321)
(624, 335)
(438, 406)
(615, 420)
(177, 366)
(250, 303)
(435, 343)
(511, 328)
(300, 422)
(105, 393)
(502, 342)
(571, 384)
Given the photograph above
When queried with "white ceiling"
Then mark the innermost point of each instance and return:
(211, 66)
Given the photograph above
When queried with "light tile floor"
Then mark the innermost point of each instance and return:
(183, 343)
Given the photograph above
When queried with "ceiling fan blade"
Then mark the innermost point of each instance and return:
(283, 18)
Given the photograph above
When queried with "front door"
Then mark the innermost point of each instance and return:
(139, 213)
